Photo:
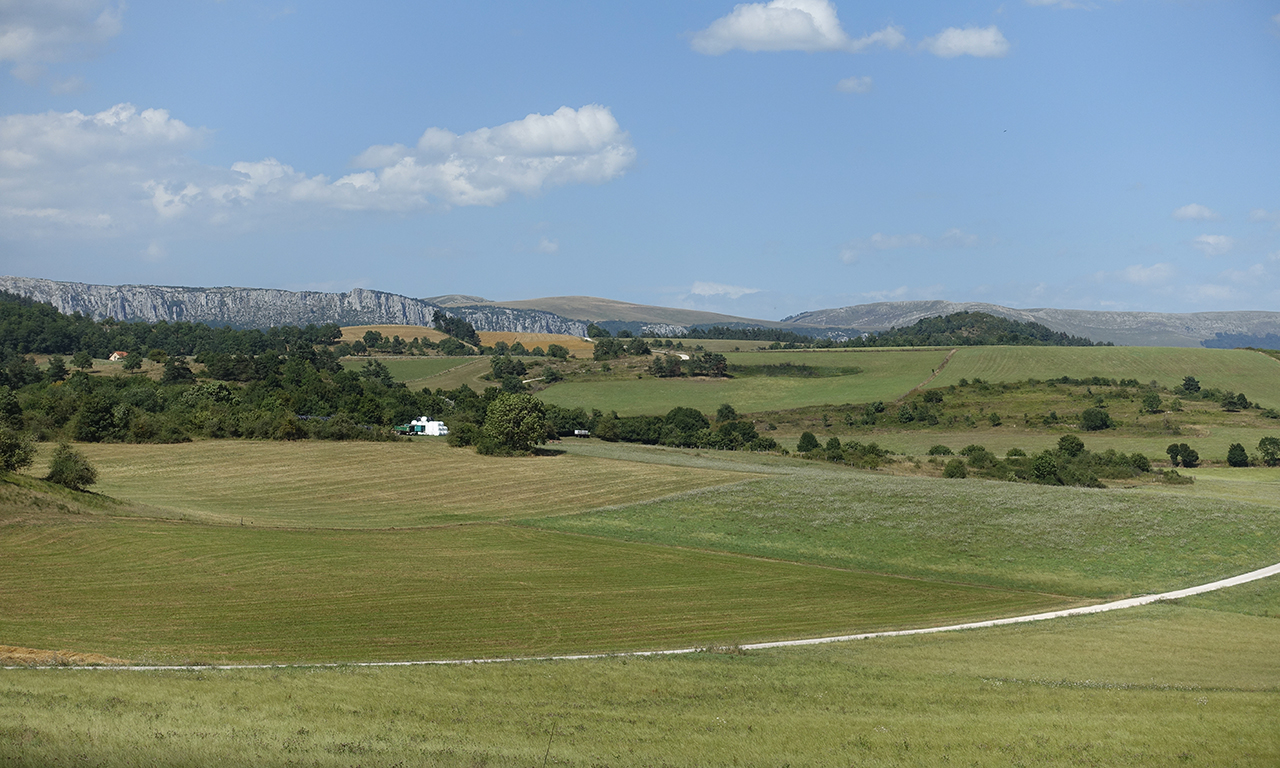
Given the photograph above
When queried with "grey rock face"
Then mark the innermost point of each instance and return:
(266, 307)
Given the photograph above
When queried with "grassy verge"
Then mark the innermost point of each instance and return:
(1157, 686)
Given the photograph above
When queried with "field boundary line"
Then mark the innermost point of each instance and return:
(1115, 605)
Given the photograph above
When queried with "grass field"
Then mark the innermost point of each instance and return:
(1235, 370)
(1065, 540)
(409, 369)
(415, 483)
(886, 375)
(1160, 685)
(576, 345)
(352, 333)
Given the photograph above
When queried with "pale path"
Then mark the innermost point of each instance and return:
(1116, 605)
(932, 376)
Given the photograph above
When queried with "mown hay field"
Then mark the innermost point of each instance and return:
(1155, 686)
(352, 333)
(577, 346)
(1236, 370)
(416, 483)
(886, 375)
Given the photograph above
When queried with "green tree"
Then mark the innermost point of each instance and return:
(1175, 454)
(807, 443)
(17, 450)
(557, 351)
(1190, 385)
(515, 422)
(1045, 468)
(596, 332)
(70, 469)
(82, 360)
(133, 362)
(10, 409)
(1071, 445)
(1151, 402)
(726, 412)
(1269, 448)
(955, 469)
(1190, 458)
(1094, 419)
(56, 369)
(1237, 456)
(176, 371)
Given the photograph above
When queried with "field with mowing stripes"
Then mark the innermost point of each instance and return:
(1235, 370)
(409, 369)
(886, 375)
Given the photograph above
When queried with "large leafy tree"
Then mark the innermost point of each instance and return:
(515, 422)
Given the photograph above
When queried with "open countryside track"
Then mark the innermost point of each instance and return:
(1132, 602)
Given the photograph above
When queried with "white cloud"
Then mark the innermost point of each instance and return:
(719, 289)
(854, 85)
(547, 245)
(952, 238)
(983, 42)
(1060, 3)
(1249, 276)
(131, 168)
(1261, 214)
(1156, 274)
(37, 32)
(1195, 212)
(1214, 245)
(1211, 292)
(786, 25)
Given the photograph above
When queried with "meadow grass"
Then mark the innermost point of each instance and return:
(469, 372)
(180, 592)
(324, 484)
(1159, 685)
(409, 368)
(576, 345)
(1064, 540)
(1235, 370)
(886, 375)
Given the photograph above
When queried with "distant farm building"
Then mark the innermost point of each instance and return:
(117, 356)
(423, 426)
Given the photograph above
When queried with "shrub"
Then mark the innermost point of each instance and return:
(1094, 419)
(1236, 456)
(70, 469)
(940, 450)
(17, 450)
(1071, 445)
(955, 469)
(1269, 448)
(1015, 453)
(807, 443)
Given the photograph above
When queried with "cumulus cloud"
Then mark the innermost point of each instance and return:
(983, 42)
(854, 85)
(952, 238)
(787, 25)
(1156, 274)
(1195, 212)
(38, 32)
(124, 168)
(720, 289)
(1261, 214)
(1214, 245)
(547, 245)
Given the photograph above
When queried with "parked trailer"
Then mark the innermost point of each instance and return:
(423, 426)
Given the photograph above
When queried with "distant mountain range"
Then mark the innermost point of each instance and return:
(264, 307)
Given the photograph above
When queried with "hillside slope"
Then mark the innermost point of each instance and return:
(1125, 328)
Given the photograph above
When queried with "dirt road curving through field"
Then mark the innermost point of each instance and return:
(1115, 605)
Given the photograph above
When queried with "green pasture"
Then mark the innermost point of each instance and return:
(1091, 542)
(1154, 686)
(169, 592)
(467, 371)
(322, 484)
(1235, 370)
(409, 368)
(886, 375)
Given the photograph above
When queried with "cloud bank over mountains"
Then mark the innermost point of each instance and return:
(124, 167)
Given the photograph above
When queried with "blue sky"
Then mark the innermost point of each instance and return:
(760, 159)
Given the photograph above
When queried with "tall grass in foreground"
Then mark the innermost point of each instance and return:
(1160, 685)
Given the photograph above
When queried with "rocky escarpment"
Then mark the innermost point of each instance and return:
(266, 307)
